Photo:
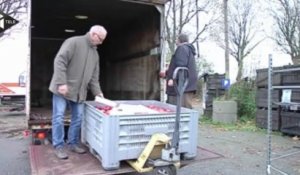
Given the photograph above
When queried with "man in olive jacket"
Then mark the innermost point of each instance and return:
(76, 69)
(184, 56)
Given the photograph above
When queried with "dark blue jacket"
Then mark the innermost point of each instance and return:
(184, 56)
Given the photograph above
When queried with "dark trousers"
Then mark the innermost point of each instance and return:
(186, 100)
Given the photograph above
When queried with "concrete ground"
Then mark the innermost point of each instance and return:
(244, 152)
(14, 158)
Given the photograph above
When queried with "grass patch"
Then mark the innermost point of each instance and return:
(239, 126)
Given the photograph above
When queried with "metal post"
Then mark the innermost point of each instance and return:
(269, 132)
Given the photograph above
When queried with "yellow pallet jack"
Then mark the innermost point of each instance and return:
(161, 153)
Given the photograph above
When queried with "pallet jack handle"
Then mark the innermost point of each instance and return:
(180, 80)
(170, 158)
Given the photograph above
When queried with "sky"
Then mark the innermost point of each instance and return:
(13, 56)
(259, 57)
(14, 50)
(256, 60)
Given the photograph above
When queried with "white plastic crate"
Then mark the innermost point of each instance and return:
(115, 138)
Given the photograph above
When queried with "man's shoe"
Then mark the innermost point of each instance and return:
(77, 149)
(60, 153)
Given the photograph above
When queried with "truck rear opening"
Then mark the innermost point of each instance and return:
(130, 57)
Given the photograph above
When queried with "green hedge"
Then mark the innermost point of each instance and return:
(244, 93)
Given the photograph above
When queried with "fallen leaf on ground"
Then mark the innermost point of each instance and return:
(296, 138)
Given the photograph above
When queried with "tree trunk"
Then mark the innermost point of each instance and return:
(227, 76)
(240, 71)
(174, 28)
(296, 60)
(226, 39)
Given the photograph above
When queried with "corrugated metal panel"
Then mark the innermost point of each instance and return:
(154, 2)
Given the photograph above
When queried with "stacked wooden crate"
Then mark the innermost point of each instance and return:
(262, 100)
(213, 90)
(284, 118)
(290, 114)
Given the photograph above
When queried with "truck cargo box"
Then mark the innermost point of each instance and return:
(130, 57)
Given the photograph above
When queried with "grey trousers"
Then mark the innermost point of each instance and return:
(186, 100)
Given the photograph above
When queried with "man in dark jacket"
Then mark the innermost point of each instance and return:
(76, 68)
(184, 56)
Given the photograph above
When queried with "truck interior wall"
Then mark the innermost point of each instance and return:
(42, 56)
(128, 66)
(130, 70)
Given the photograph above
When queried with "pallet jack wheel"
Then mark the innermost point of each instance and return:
(165, 170)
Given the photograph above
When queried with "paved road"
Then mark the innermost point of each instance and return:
(13, 146)
(14, 156)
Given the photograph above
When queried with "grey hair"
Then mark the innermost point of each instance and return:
(182, 38)
(97, 29)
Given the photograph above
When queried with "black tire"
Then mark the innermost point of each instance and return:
(165, 170)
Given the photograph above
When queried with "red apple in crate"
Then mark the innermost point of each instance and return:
(159, 109)
(104, 109)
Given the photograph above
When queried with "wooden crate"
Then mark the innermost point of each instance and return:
(295, 98)
(262, 119)
(291, 77)
(290, 122)
(262, 98)
(295, 95)
(209, 100)
(262, 78)
(216, 92)
(212, 94)
(214, 81)
(208, 112)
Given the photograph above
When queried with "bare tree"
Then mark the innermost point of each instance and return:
(287, 31)
(183, 13)
(226, 39)
(242, 31)
(13, 8)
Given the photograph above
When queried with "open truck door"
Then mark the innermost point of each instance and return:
(130, 58)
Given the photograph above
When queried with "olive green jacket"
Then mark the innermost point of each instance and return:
(76, 65)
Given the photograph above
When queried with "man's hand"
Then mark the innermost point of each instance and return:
(100, 95)
(162, 74)
(63, 89)
(170, 82)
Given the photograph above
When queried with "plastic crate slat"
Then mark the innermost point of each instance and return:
(125, 134)
(149, 122)
(145, 140)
